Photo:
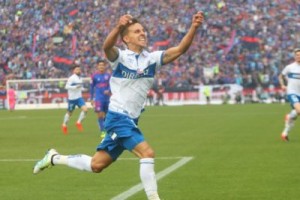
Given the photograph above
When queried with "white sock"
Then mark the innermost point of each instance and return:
(148, 178)
(81, 116)
(293, 114)
(290, 123)
(288, 127)
(66, 118)
(286, 130)
(80, 161)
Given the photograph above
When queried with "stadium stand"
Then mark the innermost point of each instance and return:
(242, 41)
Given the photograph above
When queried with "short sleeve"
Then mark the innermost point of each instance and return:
(158, 57)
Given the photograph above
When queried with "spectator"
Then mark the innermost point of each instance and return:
(248, 53)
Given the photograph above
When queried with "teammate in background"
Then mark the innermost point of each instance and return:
(133, 75)
(291, 75)
(74, 87)
(11, 96)
(100, 94)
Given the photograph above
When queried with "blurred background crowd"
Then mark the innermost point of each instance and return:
(246, 42)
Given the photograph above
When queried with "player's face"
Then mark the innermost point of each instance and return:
(101, 67)
(297, 57)
(136, 37)
(77, 71)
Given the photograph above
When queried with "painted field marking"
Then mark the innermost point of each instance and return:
(135, 189)
(13, 118)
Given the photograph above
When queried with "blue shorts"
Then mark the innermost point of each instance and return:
(122, 134)
(76, 102)
(101, 106)
(293, 98)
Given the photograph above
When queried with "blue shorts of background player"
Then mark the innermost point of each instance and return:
(122, 134)
(101, 106)
(76, 102)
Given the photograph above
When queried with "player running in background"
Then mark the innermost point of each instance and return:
(100, 94)
(74, 86)
(133, 75)
(291, 75)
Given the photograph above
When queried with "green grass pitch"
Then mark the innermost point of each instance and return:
(237, 155)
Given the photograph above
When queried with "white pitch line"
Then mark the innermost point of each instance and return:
(135, 189)
(33, 160)
(13, 118)
(18, 160)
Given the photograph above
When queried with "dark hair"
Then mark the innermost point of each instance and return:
(124, 29)
(100, 60)
(74, 66)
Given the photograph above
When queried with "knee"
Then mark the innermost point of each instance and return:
(298, 111)
(84, 109)
(144, 150)
(97, 167)
(148, 153)
(101, 115)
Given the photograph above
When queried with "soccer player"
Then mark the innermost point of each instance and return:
(11, 94)
(133, 75)
(100, 94)
(74, 86)
(291, 75)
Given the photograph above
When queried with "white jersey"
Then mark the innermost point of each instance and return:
(74, 92)
(132, 77)
(292, 73)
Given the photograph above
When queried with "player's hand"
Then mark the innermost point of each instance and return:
(78, 86)
(124, 20)
(283, 87)
(198, 19)
(107, 92)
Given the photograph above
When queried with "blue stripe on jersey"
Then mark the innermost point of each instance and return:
(123, 72)
(294, 75)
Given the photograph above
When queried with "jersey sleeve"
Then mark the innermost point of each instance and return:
(158, 57)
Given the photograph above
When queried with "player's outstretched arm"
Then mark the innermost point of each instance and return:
(109, 48)
(174, 52)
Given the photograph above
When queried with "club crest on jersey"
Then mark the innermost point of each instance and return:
(140, 71)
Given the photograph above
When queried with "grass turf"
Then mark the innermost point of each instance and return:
(236, 149)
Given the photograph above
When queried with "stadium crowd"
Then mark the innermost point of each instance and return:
(246, 42)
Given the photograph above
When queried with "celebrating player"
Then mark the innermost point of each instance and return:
(74, 87)
(100, 94)
(291, 73)
(133, 75)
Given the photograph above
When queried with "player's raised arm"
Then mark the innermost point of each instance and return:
(174, 52)
(109, 48)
